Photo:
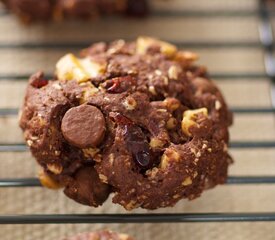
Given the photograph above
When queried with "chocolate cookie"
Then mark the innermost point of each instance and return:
(100, 235)
(33, 10)
(136, 119)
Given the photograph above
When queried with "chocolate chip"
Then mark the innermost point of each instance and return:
(86, 188)
(83, 126)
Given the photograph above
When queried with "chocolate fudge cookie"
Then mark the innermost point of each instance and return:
(100, 235)
(136, 119)
(34, 10)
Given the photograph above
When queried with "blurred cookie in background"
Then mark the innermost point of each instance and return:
(45, 10)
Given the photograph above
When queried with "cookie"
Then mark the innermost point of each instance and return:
(43, 10)
(100, 235)
(137, 119)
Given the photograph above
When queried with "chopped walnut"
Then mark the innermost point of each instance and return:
(186, 57)
(196, 153)
(168, 156)
(152, 90)
(29, 142)
(71, 68)
(123, 236)
(187, 181)
(190, 117)
(47, 181)
(55, 168)
(131, 205)
(156, 143)
(218, 105)
(172, 104)
(90, 152)
(88, 91)
(130, 103)
(103, 178)
(117, 48)
(171, 123)
(158, 72)
(144, 43)
(173, 72)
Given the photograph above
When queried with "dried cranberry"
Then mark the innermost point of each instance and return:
(138, 146)
(39, 83)
(120, 119)
(136, 142)
(119, 84)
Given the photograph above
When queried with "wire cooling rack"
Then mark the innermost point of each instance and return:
(266, 42)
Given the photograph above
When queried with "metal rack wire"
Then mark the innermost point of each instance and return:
(266, 43)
